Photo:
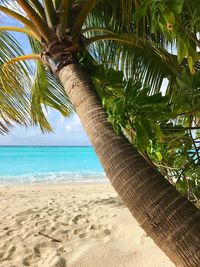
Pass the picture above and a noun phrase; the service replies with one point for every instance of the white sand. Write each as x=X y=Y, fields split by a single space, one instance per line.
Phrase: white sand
x=94 y=228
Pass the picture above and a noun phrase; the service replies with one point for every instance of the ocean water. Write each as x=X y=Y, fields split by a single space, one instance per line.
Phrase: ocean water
x=32 y=164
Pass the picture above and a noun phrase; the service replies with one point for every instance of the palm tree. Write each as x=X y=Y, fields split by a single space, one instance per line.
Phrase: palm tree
x=60 y=30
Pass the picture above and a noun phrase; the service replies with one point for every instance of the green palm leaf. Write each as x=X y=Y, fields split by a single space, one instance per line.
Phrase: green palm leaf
x=149 y=63
x=14 y=84
x=23 y=99
x=138 y=57
x=46 y=92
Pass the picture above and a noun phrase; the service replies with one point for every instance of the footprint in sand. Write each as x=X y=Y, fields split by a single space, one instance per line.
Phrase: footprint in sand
x=53 y=260
x=103 y=235
x=26 y=262
x=54 y=226
x=25 y=213
x=34 y=216
x=9 y=253
x=77 y=231
x=107 y=232
x=78 y=219
x=97 y=227
x=56 y=217
x=67 y=231
x=41 y=249
x=83 y=235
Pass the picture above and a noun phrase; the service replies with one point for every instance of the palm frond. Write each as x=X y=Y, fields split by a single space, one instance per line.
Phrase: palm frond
x=38 y=8
x=41 y=24
x=65 y=17
x=23 y=99
x=50 y=13
x=138 y=58
x=46 y=92
x=76 y=29
x=23 y=58
x=14 y=85
x=140 y=55
x=20 y=18
x=19 y=29
x=12 y=5
x=56 y=4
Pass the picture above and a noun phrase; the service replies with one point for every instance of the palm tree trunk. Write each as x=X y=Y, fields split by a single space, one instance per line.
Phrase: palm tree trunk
x=166 y=216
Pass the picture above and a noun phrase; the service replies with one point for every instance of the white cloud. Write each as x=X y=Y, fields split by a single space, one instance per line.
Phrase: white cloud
x=74 y=124
x=66 y=132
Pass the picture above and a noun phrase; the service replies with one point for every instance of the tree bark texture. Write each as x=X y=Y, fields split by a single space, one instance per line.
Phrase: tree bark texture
x=166 y=216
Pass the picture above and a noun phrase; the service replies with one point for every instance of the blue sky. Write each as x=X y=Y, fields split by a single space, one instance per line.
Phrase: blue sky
x=66 y=131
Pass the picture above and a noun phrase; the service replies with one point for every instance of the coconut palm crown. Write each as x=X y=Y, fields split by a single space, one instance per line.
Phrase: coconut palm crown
x=57 y=31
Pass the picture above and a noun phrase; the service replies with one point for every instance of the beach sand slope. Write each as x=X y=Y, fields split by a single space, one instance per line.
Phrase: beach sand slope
x=72 y=226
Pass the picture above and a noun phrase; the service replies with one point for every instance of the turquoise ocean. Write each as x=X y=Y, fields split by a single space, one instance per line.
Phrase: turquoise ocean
x=49 y=164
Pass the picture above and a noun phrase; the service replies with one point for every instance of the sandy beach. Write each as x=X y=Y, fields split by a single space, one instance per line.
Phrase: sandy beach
x=73 y=225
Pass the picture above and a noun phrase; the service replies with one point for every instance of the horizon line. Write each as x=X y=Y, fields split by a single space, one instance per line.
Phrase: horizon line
x=46 y=145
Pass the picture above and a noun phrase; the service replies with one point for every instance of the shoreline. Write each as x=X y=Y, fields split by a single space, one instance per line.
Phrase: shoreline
x=91 y=225
x=70 y=183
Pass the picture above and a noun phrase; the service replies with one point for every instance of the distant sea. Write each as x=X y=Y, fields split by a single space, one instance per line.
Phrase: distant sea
x=49 y=164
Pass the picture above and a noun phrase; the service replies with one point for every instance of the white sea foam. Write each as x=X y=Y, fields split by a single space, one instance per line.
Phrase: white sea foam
x=54 y=177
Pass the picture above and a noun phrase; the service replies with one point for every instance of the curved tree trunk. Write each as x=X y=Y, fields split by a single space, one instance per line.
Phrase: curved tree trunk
x=166 y=216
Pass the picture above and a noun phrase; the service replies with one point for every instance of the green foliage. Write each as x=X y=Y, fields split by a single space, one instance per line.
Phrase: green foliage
x=178 y=21
x=163 y=128
x=14 y=104
x=46 y=91
x=25 y=97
